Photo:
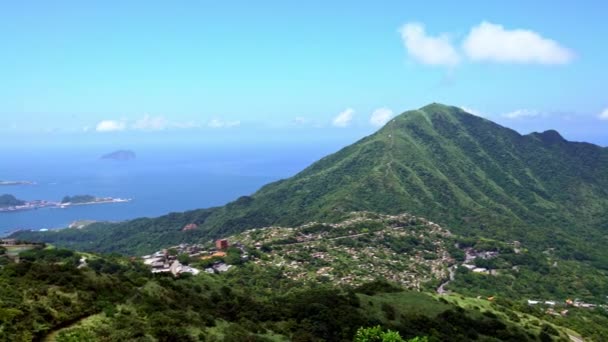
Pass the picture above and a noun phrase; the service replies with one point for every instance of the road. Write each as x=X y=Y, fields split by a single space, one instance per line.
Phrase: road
x=441 y=289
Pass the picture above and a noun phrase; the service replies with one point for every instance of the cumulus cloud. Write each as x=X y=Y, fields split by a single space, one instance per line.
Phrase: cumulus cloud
x=300 y=120
x=521 y=113
x=149 y=123
x=427 y=49
x=218 y=123
x=344 y=118
x=494 y=43
x=471 y=111
x=380 y=116
x=603 y=115
x=184 y=125
x=110 y=126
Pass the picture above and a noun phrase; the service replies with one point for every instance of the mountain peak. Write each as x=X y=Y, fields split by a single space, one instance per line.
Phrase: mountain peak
x=436 y=106
x=550 y=136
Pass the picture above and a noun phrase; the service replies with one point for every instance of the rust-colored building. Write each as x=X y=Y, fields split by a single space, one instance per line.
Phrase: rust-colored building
x=190 y=226
x=221 y=244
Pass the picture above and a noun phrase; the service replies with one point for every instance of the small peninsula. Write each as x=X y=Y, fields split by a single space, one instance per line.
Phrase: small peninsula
x=88 y=199
x=8 y=203
x=120 y=155
x=8 y=200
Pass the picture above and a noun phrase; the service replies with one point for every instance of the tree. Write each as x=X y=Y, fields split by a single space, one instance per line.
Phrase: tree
x=233 y=256
x=376 y=334
x=183 y=258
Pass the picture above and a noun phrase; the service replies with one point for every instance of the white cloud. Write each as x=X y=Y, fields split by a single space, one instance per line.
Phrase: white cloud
x=521 y=113
x=149 y=123
x=492 y=42
x=603 y=115
x=427 y=49
x=343 y=119
x=184 y=125
x=380 y=117
x=110 y=126
x=300 y=120
x=472 y=111
x=217 y=123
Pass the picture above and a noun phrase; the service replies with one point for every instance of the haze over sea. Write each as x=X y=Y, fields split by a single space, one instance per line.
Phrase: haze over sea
x=160 y=180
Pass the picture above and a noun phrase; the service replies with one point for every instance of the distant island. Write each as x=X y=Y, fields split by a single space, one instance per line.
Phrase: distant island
x=120 y=155
x=5 y=182
x=88 y=199
x=9 y=203
x=78 y=199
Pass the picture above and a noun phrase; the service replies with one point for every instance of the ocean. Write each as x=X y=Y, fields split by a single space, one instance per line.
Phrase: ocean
x=159 y=180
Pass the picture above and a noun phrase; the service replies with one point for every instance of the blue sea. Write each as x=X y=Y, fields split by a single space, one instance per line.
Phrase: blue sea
x=159 y=180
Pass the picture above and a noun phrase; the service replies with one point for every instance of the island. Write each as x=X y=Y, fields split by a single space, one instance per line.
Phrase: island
x=8 y=203
x=7 y=182
x=120 y=155
x=88 y=199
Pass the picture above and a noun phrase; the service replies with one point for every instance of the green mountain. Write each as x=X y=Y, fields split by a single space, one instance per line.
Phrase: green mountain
x=444 y=164
x=467 y=173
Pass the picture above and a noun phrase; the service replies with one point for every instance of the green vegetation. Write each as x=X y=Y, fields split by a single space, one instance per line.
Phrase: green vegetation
x=7 y=200
x=79 y=199
x=47 y=294
x=376 y=334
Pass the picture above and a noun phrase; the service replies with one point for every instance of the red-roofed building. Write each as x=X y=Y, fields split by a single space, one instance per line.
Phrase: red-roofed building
x=190 y=226
x=221 y=244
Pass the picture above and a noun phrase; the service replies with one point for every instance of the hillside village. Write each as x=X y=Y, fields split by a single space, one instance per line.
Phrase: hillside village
x=401 y=248
x=172 y=260
x=404 y=249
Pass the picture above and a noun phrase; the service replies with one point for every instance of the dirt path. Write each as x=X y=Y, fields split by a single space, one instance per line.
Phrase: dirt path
x=51 y=335
x=575 y=338
x=333 y=238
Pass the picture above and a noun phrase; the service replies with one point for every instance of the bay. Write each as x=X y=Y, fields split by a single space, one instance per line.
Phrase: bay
x=159 y=181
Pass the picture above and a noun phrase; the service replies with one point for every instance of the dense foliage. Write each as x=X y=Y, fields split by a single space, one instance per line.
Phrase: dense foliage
x=111 y=298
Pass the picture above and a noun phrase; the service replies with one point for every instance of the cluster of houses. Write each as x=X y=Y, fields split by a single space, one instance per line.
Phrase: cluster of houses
x=8 y=242
x=166 y=260
x=331 y=251
x=163 y=261
x=551 y=304
x=471 y=255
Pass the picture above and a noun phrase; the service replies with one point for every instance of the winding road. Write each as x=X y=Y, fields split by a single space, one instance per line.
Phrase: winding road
x=441 y=289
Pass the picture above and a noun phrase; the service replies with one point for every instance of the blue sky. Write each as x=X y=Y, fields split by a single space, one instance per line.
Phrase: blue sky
x=136 y=71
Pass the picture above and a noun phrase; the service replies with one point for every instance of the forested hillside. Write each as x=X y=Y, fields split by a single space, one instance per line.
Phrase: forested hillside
x=51 y=294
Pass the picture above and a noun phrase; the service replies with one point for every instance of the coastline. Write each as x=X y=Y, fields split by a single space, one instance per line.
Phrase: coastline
x=40 y=204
